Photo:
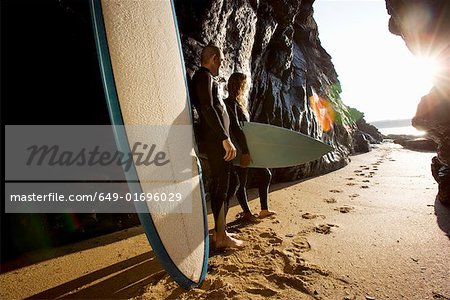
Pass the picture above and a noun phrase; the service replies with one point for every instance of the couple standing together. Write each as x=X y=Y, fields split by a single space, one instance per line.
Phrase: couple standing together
x=219 y=133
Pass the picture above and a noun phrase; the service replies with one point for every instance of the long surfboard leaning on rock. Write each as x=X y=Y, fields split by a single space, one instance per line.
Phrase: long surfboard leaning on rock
x=143 y=75
x=276 y=147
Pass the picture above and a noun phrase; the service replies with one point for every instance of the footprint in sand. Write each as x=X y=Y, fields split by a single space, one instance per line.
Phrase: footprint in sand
x=364 y=186
x=301 y=244
x=357 y=171
x=438 y=296
x=230 y=268
x=323 y=229
x=330 y=200
x=283 y=280
x=351 y=183
x=272 y=238
x=336 y=191
x=366 y=180
x=354 y=196
x=265 y=292
x=257 y=247
x=350 y=178
x=309 y=216
x=344 y=209
x=219 y=289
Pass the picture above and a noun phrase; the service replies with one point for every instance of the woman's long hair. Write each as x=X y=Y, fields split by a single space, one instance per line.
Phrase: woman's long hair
x=237 y=89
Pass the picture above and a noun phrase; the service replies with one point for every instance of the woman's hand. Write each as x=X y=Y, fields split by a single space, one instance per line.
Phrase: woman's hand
x=230 y=150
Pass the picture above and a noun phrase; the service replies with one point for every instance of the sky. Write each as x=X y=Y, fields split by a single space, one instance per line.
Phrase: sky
x=378 y=74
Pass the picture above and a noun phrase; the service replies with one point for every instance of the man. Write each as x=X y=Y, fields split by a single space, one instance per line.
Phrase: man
x=216 y=127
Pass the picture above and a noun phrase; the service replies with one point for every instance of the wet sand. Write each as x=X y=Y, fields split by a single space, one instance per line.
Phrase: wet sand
x=371 y=229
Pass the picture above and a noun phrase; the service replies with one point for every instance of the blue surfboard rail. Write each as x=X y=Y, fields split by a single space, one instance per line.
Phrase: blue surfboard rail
x=121 y=139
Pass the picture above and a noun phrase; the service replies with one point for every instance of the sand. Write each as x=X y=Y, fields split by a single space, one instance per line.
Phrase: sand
x=371 y=230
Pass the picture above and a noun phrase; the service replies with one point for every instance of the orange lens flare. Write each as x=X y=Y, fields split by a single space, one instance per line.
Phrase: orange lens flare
x=324 y=112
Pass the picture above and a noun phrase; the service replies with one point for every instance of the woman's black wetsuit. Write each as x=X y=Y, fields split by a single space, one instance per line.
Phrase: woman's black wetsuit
x=263 y=174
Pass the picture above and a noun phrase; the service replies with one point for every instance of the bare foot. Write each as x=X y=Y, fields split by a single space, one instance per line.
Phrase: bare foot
x=266 y=213
x=231 y=234
x=224 y=241
x=213 y=238
x=249 y=217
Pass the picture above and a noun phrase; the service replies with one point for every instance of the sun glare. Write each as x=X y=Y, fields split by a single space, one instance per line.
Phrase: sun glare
x=426 y=68
x=415 y=77
x=378 y=74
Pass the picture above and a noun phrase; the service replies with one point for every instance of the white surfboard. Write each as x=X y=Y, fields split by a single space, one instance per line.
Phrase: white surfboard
x=144 y=80
x=276 y=147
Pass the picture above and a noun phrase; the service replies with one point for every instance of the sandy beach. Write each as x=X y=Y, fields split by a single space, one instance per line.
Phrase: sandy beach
x=371 y=230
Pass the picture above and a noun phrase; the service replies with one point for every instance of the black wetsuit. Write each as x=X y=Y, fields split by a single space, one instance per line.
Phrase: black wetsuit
x=215 y=126
x=264 y=175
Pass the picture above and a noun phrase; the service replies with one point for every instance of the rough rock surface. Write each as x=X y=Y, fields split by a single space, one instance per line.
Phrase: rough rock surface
x=414 y=143
x=276 y=43
x=374 y=135
x=366 y=135
x=425 y=27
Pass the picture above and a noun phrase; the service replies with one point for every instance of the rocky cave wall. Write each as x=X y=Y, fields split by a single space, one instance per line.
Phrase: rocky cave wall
x=276 y=43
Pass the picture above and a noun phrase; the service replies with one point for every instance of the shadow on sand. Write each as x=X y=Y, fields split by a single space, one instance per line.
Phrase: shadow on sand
x=119 y=281
x=37 y=256
x=442 y=217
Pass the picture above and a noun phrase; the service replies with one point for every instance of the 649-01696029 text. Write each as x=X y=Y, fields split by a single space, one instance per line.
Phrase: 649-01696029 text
x=96 y=196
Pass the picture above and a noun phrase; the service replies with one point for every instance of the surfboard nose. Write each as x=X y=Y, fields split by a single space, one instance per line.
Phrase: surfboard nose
x=276 y=147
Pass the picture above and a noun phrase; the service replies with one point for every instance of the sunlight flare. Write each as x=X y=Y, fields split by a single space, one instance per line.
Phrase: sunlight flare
x=323 y=110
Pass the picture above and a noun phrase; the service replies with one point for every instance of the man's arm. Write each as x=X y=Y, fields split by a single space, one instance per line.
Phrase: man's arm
x=203 y=87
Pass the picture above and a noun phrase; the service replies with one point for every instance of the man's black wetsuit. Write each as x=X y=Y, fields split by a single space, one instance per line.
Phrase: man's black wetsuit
x=216 y=125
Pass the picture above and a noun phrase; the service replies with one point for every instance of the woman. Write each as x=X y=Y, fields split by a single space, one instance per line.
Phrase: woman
x=237 y=105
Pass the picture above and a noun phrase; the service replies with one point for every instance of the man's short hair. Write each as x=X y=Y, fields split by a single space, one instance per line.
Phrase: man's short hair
x=209 y=51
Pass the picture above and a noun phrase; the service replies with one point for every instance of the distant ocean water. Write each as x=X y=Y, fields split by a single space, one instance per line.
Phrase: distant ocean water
x=401 y=126
x=408 y=130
